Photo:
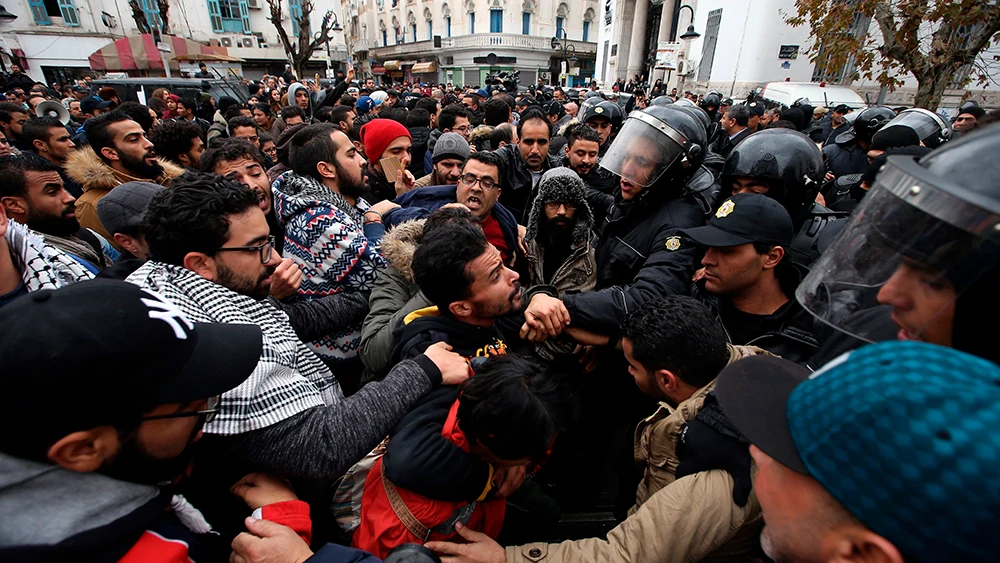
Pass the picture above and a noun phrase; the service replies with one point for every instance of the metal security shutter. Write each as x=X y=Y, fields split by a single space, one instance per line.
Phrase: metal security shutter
x=708 y=51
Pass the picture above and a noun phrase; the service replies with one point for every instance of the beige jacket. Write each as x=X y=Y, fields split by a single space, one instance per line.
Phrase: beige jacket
x=674 y=520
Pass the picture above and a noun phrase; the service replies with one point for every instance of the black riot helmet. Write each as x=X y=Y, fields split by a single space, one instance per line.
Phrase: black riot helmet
x=660 y=145
x=661 y=101
x=866 y=124
x=590 y=99
x=932 y=224
x=932 y=129
x=695 y=111
x=788 y=161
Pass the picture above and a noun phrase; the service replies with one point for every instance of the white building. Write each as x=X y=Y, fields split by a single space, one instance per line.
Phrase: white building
x=463 y=42
x=742 y=44
x=54 y=38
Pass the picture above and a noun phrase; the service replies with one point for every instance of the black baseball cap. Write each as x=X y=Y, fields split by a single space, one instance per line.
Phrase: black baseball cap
x=745 y=219
x=90 y=103
x=99 y=351
x=842 y=108
x=756 y=108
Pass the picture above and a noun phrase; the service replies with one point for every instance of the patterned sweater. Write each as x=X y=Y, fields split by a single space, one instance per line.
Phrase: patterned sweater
x=325 y=237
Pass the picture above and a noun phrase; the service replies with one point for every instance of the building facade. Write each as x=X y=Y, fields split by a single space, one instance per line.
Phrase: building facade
x=53 y=39
x=465 y=42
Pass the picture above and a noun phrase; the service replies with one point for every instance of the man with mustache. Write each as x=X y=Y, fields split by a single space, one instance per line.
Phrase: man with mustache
x=582 y=155
x=525 y=162
x=748 y=281
x=32 y=193
x=50 y=140
x=119 y=152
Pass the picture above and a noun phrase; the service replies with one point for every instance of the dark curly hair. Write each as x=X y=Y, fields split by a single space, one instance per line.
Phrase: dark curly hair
x=240 y=121
x=173 y=138
x=230 y=149
x=193 y=216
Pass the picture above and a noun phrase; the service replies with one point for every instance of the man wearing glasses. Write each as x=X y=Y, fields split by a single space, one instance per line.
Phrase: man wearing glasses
x=478 y=190
x=212 y=256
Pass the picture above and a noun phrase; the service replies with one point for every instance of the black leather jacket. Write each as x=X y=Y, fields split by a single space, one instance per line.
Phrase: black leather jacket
x=516 y=181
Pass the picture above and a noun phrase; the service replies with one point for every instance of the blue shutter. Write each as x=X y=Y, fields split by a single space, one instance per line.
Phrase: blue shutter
x=586 y=30
x=245 y=16
x=430 y=30
x=472 y=23
x=496 y=21
x=295 y=11
x=526 y=23
x=68 y=12
x=559 y=28
x=38 y=12
x=215 y=15
x=413 y=28
x=447 y=24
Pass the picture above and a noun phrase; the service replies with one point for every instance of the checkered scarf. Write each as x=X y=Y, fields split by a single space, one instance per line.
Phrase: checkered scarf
x=42 y=265
x=289 y=378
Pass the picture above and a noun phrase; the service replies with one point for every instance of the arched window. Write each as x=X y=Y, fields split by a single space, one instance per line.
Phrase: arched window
x=561 y=15
x=588 y=17
x=429 y=18
x=526 y=10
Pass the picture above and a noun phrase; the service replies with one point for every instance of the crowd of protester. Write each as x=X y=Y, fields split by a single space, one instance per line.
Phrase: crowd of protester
x=421 y=322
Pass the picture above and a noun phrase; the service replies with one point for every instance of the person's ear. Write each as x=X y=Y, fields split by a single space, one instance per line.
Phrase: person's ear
x=667 y=381
x=184 y=160
x=126 y=242
x=40 y=146
x=201 y=264
x=773 y=257
x=460 y=309
x=327 y=170
x=85 y=451
x=14 y=205
x=860 y=545
x=110 y=153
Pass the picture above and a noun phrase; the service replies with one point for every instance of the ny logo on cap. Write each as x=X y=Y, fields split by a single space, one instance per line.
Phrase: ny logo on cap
x=168 y=313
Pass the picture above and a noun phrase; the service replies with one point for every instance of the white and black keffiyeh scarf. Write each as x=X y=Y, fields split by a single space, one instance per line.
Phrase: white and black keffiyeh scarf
x=42 y=265
x=289 y=378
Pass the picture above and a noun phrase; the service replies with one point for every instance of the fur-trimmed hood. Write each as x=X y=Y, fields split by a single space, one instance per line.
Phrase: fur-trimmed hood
x=92 y=173
x=399 y=244
x=565 y=186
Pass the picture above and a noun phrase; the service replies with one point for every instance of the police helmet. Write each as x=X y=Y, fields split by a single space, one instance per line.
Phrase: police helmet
x=656 y=145
x=932 y=129
x=866 y=124
x=661 y=101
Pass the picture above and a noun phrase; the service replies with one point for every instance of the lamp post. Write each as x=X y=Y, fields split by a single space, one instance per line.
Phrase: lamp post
x=688 y=35
x=566 y=48
x=5 y=17
x=318 y=35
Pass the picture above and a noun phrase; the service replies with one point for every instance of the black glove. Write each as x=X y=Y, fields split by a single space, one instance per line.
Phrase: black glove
x=701 y=448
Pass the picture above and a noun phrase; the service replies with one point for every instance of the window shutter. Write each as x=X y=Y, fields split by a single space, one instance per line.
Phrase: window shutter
x=245 y=15
x=68 y=12
x=295 y=12
x=38 y=12
x=215 y=15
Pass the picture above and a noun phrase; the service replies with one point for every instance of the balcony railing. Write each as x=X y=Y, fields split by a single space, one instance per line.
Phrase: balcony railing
x=485 y=41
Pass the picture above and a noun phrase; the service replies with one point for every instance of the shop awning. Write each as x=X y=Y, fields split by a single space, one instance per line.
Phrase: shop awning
x=378 y=70
x=393 y=65
x=140 y=53
x=421 y=68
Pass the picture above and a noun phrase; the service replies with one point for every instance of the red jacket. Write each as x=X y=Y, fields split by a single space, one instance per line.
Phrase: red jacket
x=381 y=530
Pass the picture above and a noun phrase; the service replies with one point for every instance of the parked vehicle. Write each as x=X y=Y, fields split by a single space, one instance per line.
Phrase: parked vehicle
x=819 y=94
x=129 y=88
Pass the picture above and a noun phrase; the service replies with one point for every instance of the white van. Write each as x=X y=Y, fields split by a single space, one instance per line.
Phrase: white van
x=819 y=94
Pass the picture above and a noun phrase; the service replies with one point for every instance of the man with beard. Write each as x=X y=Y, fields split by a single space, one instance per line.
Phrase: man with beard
x=32 y=193
x=13 y=116
x=119 y=152
x=478 y=190
x=525 y=162
x=186 y=111
x=179 y=142
x=50 y=140
x=449 y=155
x=332 y=234
x=559 y=242
x=582 y=154
x=212 y=257
x=125 y=429
x=238 y=160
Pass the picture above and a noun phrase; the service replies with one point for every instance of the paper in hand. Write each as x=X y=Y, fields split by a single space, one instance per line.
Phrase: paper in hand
x=392 y=167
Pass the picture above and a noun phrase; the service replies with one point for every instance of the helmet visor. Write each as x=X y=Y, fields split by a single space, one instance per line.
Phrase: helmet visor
x=644 y=149
x=909 y=250
x=928 y=126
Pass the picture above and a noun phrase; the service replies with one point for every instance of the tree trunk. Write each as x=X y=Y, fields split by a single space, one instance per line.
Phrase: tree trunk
x=931 y=86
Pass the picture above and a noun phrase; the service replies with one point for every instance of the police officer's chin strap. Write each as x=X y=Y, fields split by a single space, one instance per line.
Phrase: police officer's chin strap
x=976 y=309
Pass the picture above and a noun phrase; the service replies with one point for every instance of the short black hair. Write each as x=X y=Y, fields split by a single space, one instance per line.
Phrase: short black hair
x=514 y=406
x=495 y=112
x=396 y=114
x=310 y=146
x=530 y=114
x=139 y=114
x=264 y=108
x=291 y=111
x=339 y=113
x=429 y=104
x=234 y=111
x=418 y=118
x=486 y=157
x=322 y=114
x=241 y=121
x=446 y=216
x=98 y=130
x=740 y=113
x=450 y=114
x=581 y=132
x=193 y=216
x=347 y=100
x=12 y=168
x=40 y=129
x=173 y=138
x=9 y=108
x=264 y=137
x=229 y=149
x=679 y=334
x=503 y=133
x=440 y=263
x=188 y=103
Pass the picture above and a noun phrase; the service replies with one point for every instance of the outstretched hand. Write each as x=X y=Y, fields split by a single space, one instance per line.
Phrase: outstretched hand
x=480 y=549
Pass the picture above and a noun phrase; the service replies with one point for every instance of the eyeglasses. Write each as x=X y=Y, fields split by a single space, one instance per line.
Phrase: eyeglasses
x=555 y=205
x=208 y=412
x=485 y=182
x=265 y=249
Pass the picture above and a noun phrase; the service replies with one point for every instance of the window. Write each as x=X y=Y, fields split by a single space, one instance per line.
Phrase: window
x=294 y=12
x=43 y=10
x=413 y=31
x=430 y=29
x=152 y=13
x=559 y=27
x=496 y=21
x=708 y=47
x=586 y=31
x=447 y=26
x=526 y=23
x=821 y=72
x=472 y=23
x=385 y=38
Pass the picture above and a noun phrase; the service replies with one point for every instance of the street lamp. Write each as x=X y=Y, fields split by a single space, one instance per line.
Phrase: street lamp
x=566 y=48
x=690 y=33
x=318 y=35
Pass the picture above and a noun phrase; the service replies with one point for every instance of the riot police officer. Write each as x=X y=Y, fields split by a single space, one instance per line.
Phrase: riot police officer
x=932 y=129
x=787 y=166
x=848 y=154
x=924 y=251
x=606 y=118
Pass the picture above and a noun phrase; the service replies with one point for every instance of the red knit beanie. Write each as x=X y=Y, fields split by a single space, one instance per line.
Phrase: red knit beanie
x=378 y=133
